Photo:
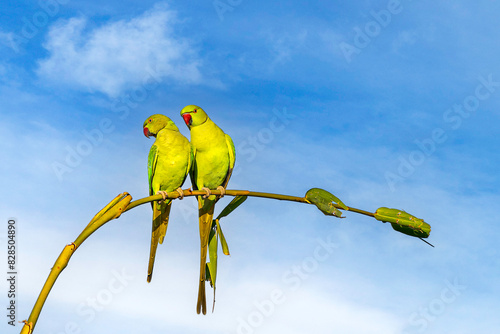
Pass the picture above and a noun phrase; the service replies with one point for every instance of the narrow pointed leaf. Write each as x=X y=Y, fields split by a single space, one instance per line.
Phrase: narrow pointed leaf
x=212 y=253
x=225 y=248
x=236 y=202
x=207 y=273
x=107 y=207
x=404 y=222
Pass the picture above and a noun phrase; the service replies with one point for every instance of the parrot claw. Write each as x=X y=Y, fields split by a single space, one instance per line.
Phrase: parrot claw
x=207 y=191
x=222 y=191
x=163 y=194
x=181 y=193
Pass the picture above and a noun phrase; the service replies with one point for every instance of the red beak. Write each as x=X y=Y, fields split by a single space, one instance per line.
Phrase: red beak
x=146 y=132
x=187 y=119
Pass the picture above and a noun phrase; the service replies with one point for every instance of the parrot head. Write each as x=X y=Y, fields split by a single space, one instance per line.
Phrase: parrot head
x=193 y=115
x=157 y=122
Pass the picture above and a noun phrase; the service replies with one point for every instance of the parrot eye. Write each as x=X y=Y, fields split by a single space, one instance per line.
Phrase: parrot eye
x=195 y=111
x=150 y=120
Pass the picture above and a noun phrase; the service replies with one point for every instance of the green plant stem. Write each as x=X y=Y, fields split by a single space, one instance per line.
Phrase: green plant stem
x=188 y=193
x=111 y=211
x=114 y=209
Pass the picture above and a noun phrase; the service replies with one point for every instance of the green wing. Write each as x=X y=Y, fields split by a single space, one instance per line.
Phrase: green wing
x=232 y=159
x=191 y=160
x=193 y=170
x=152 y=158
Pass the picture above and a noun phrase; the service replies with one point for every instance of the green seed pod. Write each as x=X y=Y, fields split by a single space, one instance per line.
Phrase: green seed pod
x=325 y=202
x=403 y=222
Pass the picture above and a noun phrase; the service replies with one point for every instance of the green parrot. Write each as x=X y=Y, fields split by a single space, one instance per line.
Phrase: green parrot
x=213 y=164
x=169 y=163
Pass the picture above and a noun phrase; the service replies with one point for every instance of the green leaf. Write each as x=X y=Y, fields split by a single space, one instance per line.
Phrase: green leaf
x=215 y=233
x=236 y=202
x=212 y=253
x=404 y=222
x=225 y=248
x=325 y=202
x=110 y=206
x=207 y=273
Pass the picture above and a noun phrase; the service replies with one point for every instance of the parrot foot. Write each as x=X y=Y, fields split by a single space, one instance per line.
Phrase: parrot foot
x=181 y=193
x=222 y=191
x=163 y=194
x=207 y=191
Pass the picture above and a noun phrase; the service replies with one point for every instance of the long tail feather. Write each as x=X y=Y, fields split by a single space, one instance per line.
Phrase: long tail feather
x=161 y=214
x=206 y=212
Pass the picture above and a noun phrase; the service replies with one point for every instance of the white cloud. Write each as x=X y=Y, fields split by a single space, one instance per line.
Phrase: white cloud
x=118 y=55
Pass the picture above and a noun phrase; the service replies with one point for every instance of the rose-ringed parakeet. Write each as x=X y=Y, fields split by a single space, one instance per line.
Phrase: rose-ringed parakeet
x=169 y=163
x=213 y=165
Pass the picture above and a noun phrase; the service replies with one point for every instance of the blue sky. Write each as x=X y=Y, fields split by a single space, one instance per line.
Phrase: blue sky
x=383 y=103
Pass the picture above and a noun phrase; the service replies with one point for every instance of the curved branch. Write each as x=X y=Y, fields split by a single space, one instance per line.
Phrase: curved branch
x=111 y=211
x=189 y=192
x=114 y=209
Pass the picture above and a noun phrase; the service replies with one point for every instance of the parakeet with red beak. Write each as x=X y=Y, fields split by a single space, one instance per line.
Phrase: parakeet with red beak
x=213 y=165
x=169 y=162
